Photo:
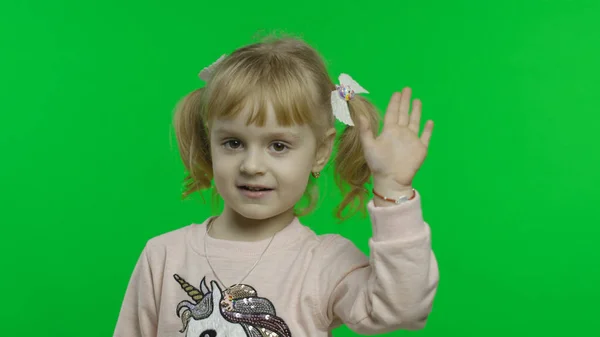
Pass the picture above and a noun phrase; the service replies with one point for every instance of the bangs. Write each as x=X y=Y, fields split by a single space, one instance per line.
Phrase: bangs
x=243 y=88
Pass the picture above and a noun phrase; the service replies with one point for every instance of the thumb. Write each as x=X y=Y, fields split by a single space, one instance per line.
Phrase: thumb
x=366 y=135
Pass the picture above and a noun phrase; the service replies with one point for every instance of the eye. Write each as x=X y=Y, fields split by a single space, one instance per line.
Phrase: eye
x=208 y=333
x=232 y=144
x=279 y=147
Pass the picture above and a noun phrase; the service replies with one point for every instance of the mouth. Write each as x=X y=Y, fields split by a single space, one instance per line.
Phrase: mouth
x=254 y=188
x=254 y=191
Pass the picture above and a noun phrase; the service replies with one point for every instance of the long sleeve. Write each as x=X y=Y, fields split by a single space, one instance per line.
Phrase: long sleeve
x=391 y=290
x=138 y=314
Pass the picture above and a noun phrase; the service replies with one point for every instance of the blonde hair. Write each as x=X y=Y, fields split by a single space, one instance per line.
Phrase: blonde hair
x=291 y=76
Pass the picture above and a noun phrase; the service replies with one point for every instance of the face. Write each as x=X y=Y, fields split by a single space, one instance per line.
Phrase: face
x=262 y=172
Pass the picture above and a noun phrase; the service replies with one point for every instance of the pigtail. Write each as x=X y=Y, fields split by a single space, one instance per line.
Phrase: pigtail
x=194 y=147
x=352 y=171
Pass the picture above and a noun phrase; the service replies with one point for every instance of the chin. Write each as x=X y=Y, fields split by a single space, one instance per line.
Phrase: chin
x=258 y=212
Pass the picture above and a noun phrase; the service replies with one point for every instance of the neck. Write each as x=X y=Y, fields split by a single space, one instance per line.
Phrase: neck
x=230 y=225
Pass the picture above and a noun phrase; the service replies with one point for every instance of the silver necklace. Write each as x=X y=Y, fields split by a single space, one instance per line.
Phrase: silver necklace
x=225 y=288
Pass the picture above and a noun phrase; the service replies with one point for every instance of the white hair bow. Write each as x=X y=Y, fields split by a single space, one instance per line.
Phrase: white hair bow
x=206 y=73
x=344 y=92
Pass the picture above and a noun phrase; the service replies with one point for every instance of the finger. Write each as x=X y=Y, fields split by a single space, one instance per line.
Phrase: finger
x=404 y=106
x=415 y=116
x=366 y=135
x=426 y=135
x=391 y=114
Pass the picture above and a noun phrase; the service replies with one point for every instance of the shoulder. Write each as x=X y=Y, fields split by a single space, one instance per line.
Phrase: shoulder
x=172 y=237
x=335 y=242
x=176 y=240
x=334 y=251
x=324 y=243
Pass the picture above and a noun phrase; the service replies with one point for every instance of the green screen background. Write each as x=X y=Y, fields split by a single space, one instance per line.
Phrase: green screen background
x=90 y=169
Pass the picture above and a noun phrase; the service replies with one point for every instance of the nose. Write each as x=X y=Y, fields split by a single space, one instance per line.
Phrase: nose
x=252 y=163
x=208 y=333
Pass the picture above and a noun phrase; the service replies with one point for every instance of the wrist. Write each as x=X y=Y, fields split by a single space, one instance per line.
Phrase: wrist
x=390 y=186
x=391 y=193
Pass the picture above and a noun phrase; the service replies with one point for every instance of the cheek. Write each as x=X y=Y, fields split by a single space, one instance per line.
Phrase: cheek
x=297 y=184
x=219 y=162
x=219 y=159
x=297 y=171
x=300 y=168
x=223 y=167
x=223 y=172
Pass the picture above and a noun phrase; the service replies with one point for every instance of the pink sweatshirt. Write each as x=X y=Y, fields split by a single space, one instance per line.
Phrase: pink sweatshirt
x=305 y=284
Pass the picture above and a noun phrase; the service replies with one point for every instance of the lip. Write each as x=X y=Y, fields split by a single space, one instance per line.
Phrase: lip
x=254 y=194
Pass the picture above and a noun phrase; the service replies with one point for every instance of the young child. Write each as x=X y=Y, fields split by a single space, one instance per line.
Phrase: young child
x=262 y=125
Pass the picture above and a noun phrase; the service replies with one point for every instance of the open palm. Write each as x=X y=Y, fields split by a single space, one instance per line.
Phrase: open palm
x=398 y=152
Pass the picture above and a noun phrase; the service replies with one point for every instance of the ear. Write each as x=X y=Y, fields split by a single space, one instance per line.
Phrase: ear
x=324 y=150
x=217 y=295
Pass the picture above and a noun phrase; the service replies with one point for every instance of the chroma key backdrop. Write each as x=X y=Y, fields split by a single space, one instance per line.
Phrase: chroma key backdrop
x=90 y=167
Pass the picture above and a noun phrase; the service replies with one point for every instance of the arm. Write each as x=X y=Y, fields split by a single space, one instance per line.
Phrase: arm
x=138 y=315
x=391 y=290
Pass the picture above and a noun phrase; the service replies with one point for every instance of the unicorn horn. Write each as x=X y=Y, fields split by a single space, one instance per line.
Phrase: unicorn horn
x=192 y=291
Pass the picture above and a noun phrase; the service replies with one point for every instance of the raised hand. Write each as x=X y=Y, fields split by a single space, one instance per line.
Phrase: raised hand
x=396 y=155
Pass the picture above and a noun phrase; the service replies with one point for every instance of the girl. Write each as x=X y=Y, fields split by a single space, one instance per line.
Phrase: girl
x=260 y=127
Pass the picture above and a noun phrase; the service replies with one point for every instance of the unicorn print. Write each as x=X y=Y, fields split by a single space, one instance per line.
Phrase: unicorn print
x=234 y=312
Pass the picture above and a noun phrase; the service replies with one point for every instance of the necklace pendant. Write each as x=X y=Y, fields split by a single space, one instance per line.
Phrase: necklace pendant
x=227 y=301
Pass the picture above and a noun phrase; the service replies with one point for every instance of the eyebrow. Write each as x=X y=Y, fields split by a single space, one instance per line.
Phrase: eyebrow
x=278 y=134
